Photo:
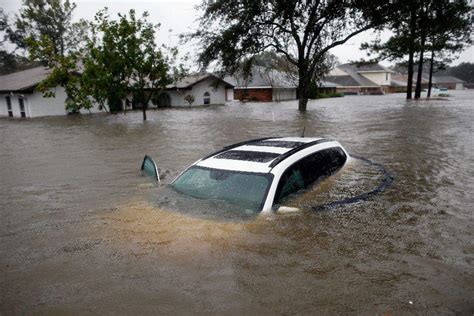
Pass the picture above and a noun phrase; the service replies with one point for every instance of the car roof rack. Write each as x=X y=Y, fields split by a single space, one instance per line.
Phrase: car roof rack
x=237 y=145
x=297 y=149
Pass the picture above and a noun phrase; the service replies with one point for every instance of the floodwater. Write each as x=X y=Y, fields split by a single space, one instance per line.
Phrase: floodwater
x=83 y=232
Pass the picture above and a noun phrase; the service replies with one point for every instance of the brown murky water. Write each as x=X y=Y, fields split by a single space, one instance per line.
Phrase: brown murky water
x=83 y=232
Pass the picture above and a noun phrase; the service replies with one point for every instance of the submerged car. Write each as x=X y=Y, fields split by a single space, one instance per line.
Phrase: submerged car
x=258 y=174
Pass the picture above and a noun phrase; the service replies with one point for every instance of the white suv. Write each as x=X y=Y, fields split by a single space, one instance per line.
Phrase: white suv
x=258 y=174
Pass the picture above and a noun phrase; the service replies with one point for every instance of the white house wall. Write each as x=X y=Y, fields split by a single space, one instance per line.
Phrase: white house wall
x=380 y=78
x=218 y=95
x=230 y=94
x=36 y=105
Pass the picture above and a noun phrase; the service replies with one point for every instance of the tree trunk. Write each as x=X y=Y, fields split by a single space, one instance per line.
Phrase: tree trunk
x=302 y=104
x=411 y=51
x=430 y=82
x=420 y=69
x=410 y=75
x=144 y=111
x=303 y=91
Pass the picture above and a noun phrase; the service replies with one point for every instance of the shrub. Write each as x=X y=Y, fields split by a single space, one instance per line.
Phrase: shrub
x=189 y=99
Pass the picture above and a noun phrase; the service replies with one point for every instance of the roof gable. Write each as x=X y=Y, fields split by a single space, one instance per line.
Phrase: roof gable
x=366 y=67
x=446 y=79
x=189 y=81
x=25 y=80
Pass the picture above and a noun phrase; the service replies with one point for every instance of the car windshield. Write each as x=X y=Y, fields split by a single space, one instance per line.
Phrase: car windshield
x=244 y=189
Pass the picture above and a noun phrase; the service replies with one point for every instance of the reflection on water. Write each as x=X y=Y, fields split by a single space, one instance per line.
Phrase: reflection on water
x=83 y=232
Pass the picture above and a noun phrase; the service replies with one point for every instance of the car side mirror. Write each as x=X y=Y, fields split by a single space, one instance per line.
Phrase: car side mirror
x=287 y=210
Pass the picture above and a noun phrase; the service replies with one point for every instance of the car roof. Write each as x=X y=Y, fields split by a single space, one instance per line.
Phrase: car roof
x=260 y=155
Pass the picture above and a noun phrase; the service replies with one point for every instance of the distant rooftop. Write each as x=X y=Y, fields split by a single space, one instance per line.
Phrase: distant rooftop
x=189 y=81
x=366 y=67
x=23 y=81
x=263 y=77
x=446 y=79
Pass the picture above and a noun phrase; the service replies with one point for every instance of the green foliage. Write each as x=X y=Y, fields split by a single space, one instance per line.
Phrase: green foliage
x=41 y=21
x=317 y=93
x=123 y=59
x=442 y=27
x=66 y=73
x=233 y=31
x=189 y=99
x=7 y=59
x=44 y=28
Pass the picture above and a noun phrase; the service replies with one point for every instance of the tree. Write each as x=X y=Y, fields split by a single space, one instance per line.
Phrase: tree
x=404 y=41
x=450 y=31
x=123 y=58
x=439 y=26
x=44 y=29
x=51 y=20
x=189 y=99
x=7 y=59
x=232 y=31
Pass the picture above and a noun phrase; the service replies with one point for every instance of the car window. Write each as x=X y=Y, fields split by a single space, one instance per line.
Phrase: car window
x=244 y=189
x=293 y=182
x=308 y=170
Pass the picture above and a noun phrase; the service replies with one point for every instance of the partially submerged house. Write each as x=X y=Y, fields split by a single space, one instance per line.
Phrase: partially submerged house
x=369 y=78
x=204 y=88
x=264 y=85
x=19 y=98
x=448 y=82
x=399 y=82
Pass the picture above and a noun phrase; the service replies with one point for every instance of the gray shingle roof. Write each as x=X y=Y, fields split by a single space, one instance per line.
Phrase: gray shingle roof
x=351 y=80
x=369 y=67
x=446 y=79
x=353 y=77
x=24 y=80
x=191 y=80
x=263 y=77
x=401 y=80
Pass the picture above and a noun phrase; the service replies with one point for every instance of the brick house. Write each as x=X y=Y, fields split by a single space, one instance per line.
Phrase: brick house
x=264 y=85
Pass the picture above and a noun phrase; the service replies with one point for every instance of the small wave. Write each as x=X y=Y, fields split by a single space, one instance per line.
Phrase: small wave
x=386 y=182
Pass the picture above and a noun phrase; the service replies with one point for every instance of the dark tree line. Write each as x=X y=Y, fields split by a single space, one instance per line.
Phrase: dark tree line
x=463 y=71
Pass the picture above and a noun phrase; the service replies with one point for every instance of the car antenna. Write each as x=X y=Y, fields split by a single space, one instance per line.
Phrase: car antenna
x=304 y=128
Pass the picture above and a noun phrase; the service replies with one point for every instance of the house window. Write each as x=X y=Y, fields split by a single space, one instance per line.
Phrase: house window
x=386 y=76
x=207 y=98
x=9 y=106
x=21 y=102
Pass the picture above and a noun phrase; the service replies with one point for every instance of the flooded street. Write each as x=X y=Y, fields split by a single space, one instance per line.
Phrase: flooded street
x=83 y=232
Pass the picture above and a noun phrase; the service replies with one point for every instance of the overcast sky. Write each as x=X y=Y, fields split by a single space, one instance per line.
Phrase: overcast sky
x=180 y=16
